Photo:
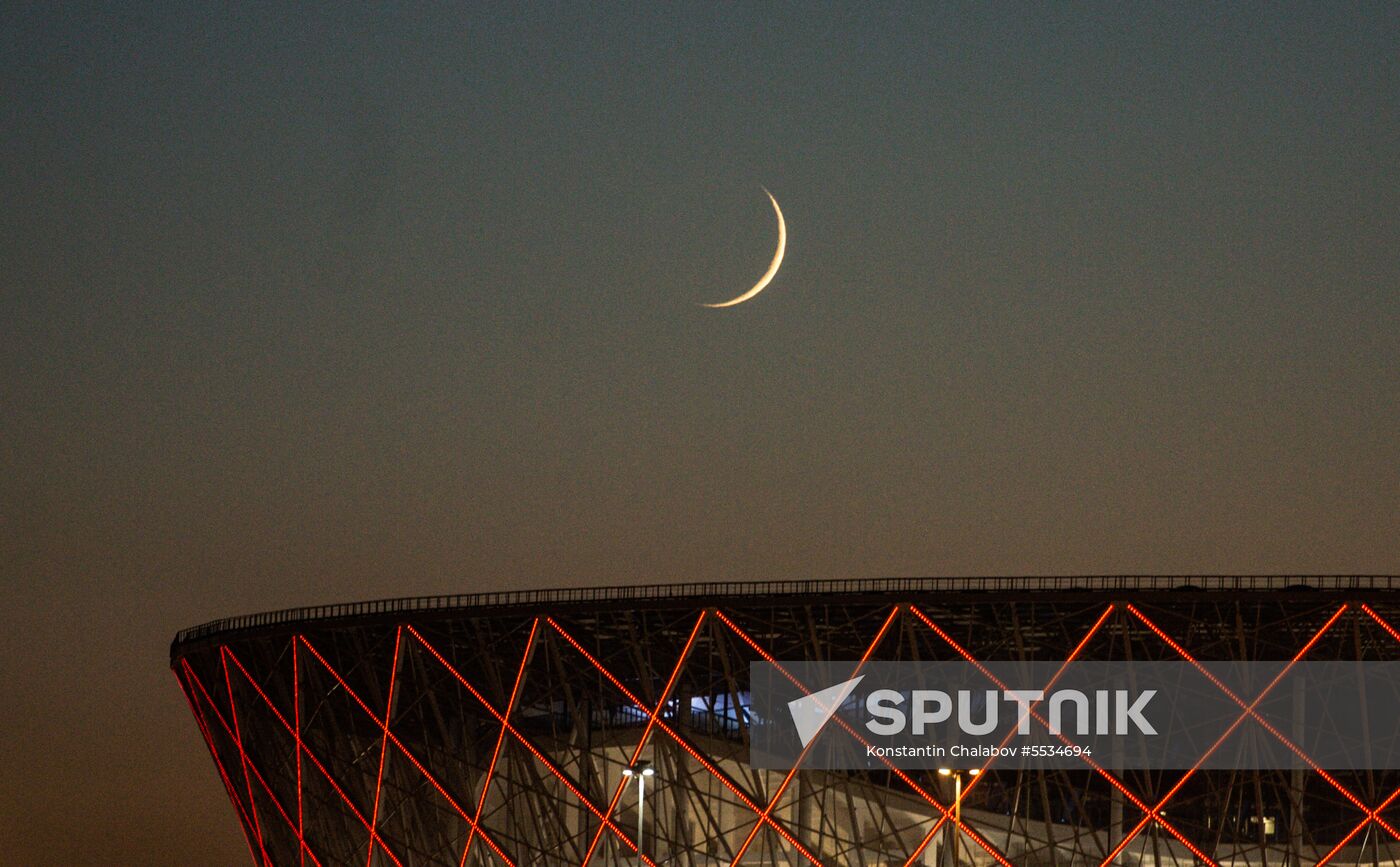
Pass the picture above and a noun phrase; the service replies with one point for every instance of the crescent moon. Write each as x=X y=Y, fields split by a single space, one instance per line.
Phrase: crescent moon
x=772 y=267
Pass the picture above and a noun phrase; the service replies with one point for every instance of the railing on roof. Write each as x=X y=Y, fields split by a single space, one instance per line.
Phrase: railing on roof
x=653 y=592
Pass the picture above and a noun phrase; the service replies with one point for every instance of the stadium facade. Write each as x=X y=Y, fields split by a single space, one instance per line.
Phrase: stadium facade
x=497 y=728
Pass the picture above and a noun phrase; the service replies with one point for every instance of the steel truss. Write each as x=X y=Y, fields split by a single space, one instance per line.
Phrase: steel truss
x=491 y=735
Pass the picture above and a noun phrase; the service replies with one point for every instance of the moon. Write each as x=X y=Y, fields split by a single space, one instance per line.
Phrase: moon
x=772 y=267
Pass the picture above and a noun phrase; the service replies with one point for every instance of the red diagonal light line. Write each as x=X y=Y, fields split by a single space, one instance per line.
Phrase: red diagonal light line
x=787 y=780
x=676 y=736
x=1296 y=750
x=1112 y=780
x=500 y=739
x=384 y=725
x=218 y=763
x=1375 y=814
x=296 y=736
x=1371 y=815
x=246 y=821
x=247 y=760
x=1381 y=621
x=525 y=742
x=238 y=740
x=945 y=812
x=1215 y=746
x=1357 y=830
x=384 y=744
x=247 y=764
x=646 y=732
x=684 y=744
x=972 y=784
x=304 y=748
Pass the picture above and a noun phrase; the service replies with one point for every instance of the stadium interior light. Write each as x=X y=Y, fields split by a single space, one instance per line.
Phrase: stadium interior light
x=641 y=770
x=956 y=830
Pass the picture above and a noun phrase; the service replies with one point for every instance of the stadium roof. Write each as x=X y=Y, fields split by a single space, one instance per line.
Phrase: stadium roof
x=699 y=592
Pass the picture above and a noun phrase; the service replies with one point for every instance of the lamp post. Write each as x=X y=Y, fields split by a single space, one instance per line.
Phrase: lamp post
x=956 y=830
x=640 y=770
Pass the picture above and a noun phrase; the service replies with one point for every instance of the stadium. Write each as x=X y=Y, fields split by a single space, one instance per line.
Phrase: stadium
x=609 y=726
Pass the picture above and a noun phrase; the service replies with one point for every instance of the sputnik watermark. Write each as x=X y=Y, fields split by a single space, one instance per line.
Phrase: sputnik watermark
x=929 y=707
x=1123 y=715
x=811 y=712
x=933 y=751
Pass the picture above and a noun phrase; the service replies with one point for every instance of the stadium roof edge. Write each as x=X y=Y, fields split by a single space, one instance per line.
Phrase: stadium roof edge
x=739 y=589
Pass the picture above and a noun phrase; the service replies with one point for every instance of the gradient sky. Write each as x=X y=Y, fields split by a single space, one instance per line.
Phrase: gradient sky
x=322 y=304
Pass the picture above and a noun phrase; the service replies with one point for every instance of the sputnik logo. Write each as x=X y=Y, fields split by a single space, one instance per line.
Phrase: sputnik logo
x=811 y=712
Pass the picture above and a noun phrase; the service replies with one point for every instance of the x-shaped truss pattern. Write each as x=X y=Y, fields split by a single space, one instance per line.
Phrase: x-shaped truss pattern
x=490 y=737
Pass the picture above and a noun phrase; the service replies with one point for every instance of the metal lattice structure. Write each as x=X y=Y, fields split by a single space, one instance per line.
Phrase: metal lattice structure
x=494 y=729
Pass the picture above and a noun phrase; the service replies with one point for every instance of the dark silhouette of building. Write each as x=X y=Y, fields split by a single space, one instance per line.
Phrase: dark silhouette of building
x=496 y=728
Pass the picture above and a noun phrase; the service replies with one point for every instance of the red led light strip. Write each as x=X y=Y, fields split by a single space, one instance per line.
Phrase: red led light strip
x=765 y=816
x=247 y=821
x=392 y=738
x=1371 y=815
x=296 y=735
x=646 y=732
x=525 y=742
x=238 y=740
x=1155 y=813
x=944 y=812
x=250 y=770
x=248 y=762
x=1112 y=780
x=972 y=784
x=383 y=743
x=1265 y=724
x=500 y=739
x=718 y=774
x=302 y=747
x=218 y=763
x=1381 y=621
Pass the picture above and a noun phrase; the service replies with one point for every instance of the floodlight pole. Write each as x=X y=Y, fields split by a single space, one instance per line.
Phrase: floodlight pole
x=956 y=830
x=640 y=770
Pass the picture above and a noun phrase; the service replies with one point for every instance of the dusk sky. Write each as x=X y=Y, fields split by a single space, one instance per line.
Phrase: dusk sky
x=317 y=305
